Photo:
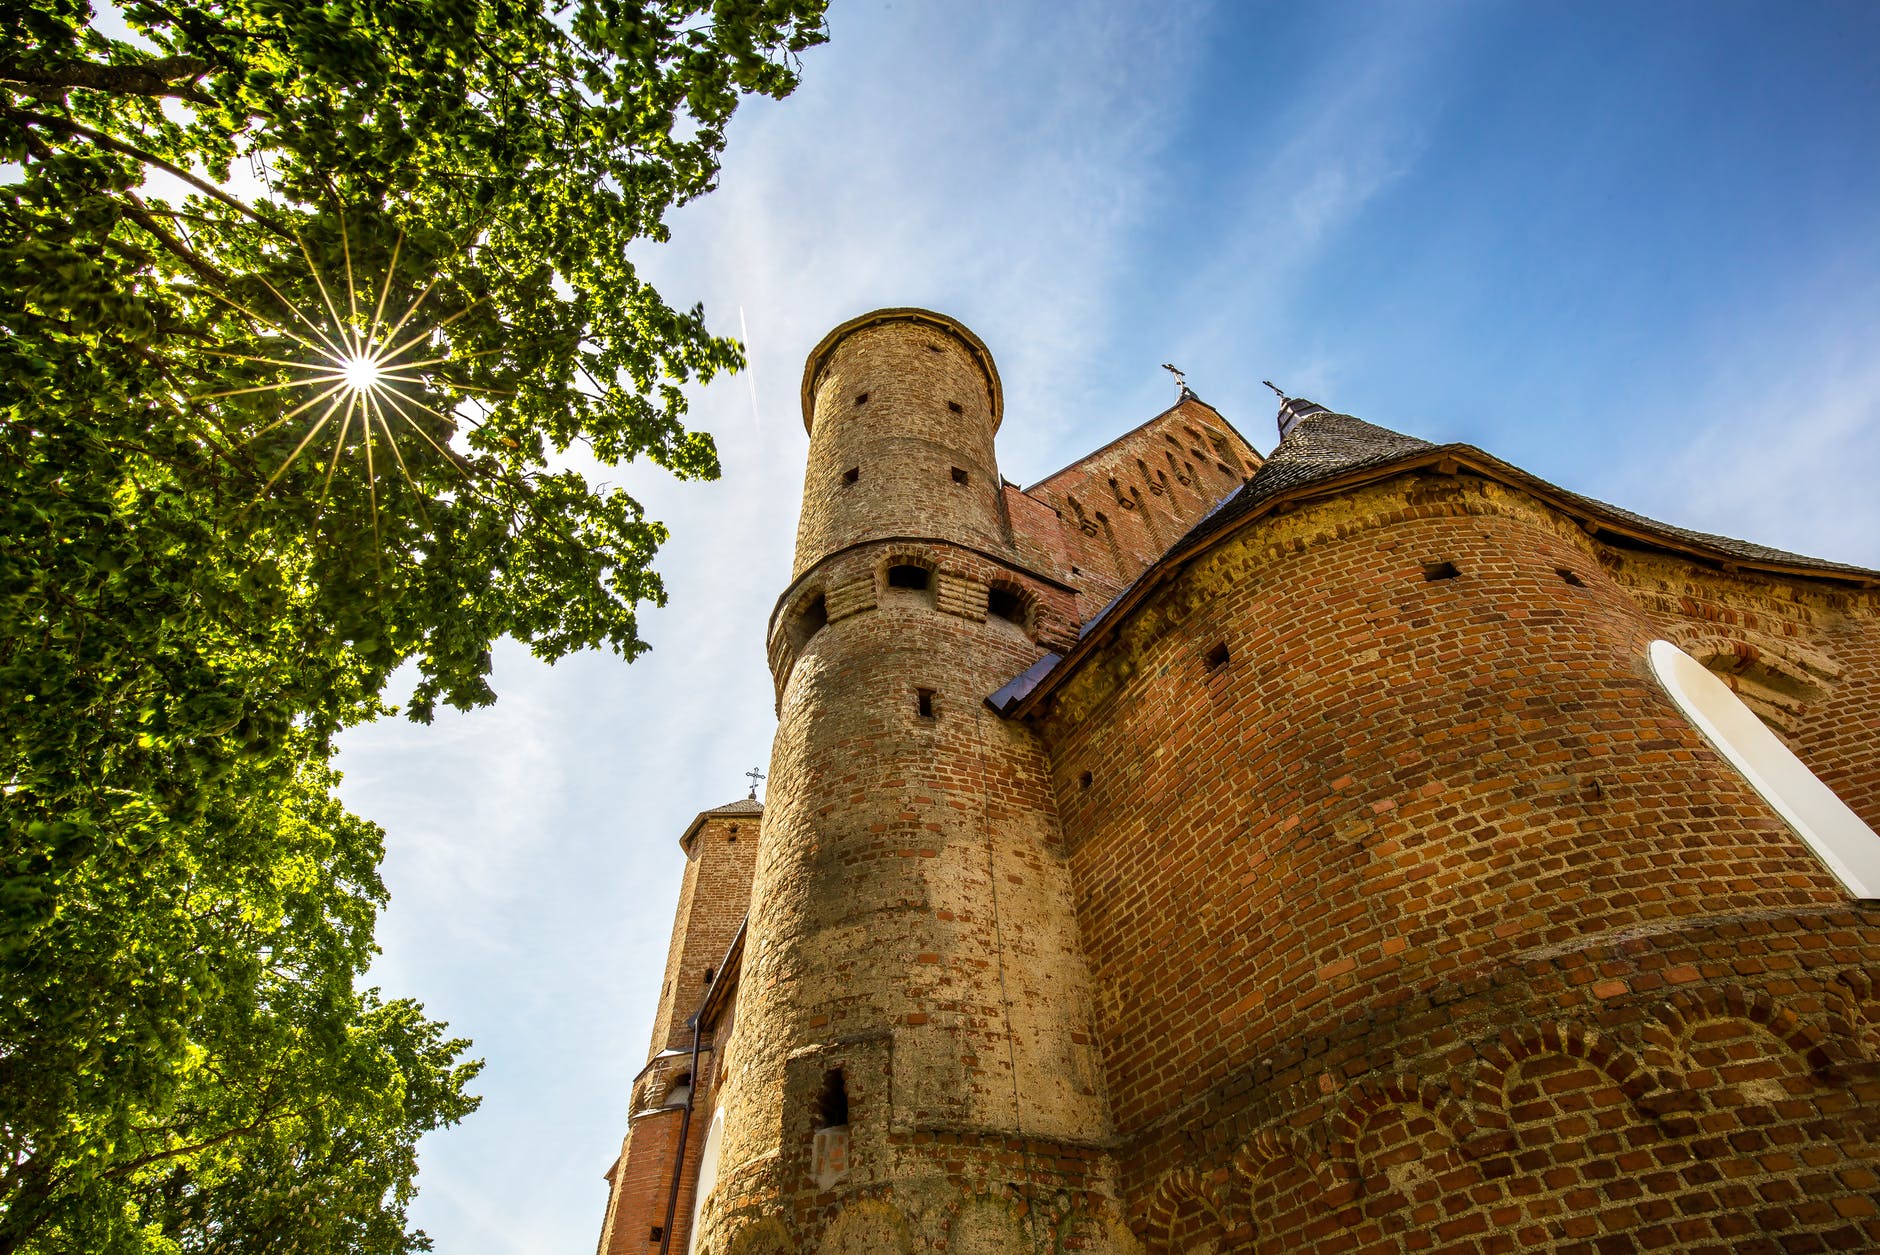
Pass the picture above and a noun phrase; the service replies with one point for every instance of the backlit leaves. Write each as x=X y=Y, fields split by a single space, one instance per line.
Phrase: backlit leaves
x=201 y=584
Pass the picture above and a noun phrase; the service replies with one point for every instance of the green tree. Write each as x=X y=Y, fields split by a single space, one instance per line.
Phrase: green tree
x=217 y=550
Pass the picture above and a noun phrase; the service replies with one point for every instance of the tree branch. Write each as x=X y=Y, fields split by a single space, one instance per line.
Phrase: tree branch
x=152 y=78
x=148 y=158
x=139 y=213
x=267 y=1117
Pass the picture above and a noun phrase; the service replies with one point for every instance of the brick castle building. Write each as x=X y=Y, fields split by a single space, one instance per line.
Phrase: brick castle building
x=1369 y=846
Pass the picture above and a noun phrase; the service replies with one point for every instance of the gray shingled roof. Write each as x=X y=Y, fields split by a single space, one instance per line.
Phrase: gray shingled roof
x=743 y=806
x=1324 y=445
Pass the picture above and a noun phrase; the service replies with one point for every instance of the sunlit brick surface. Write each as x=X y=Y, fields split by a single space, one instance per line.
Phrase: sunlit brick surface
x=1354 y=886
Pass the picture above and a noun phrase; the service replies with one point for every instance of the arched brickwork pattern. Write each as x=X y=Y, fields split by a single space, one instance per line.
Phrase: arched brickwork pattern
x=765 y=1236
x=1725 y=1129
x=905 y=555
x=1288 y=1187
x=1674 y=1033
x=1025 y=615
x=1362 y=1104
x=867 y=1226
x=1777 y=680
x=1397 y=1146
x=1854 y=1020
x=1189 y=1214
x=1568 y=1039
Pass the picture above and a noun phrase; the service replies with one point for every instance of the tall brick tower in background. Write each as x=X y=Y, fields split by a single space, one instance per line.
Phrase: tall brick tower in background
x=1368 y=846
x=659 y=1153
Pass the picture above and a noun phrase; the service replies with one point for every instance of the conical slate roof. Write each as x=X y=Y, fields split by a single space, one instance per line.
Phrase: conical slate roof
x=1320 y=446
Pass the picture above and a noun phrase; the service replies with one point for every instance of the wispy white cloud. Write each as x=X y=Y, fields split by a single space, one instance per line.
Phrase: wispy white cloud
x=1779 y=444
x=1342 y=133
x=988 y=161
x=1012 y=166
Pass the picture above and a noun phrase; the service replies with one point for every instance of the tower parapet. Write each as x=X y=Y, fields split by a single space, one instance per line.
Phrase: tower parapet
x=901 y=407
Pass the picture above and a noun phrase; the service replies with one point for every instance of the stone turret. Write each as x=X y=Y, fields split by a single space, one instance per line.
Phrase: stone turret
x=914 y=1001
x=901 y=407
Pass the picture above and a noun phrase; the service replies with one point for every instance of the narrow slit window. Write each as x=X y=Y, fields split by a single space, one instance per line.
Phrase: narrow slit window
x=1085 y=781
x=1570 y=576
x=923 y=703
x=959 y=476
x=1440 y=571
x=851 y=475
x=861 y=398
x=832 y=1101
x=955 y=407
x=1217 y=657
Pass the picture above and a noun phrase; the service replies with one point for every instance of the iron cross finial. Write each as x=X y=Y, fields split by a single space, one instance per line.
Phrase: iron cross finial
x=755 y=776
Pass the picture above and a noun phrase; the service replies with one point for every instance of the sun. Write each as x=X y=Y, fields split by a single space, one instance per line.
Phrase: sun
x=360 y=371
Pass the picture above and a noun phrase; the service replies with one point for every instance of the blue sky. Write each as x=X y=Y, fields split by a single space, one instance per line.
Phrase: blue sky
x=1634 y=249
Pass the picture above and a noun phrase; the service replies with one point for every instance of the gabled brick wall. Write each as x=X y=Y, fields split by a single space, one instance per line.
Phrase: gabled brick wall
x=1120 y=508
x=1419 y=915
x=1352 y=885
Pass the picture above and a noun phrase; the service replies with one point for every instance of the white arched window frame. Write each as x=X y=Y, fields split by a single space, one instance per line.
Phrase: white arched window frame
x=1839 y=837
x=707 y=1175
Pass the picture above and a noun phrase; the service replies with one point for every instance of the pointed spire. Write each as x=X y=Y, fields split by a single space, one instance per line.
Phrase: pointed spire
x=1292 y=409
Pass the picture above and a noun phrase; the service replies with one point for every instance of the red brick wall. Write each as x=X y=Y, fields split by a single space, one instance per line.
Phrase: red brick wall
x=1367 y=897
x=1838 y=736
x=1805 y=654
x=1123 y=506
x=642 y=1180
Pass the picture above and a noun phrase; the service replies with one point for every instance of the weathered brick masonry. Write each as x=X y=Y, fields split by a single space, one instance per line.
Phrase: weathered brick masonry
x=1325 y=871
x=721 y=848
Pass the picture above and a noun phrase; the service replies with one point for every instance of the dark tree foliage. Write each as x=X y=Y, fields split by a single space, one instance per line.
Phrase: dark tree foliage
x=213 y=554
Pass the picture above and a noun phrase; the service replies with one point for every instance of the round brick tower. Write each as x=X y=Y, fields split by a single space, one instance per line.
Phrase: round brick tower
x=913 y=1018
x=901 y=407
